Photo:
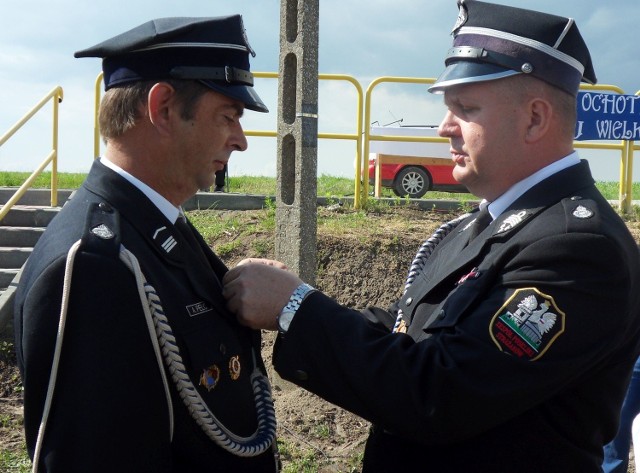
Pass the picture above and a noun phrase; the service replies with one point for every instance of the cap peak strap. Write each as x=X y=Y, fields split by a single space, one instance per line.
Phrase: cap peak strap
x=229 y=74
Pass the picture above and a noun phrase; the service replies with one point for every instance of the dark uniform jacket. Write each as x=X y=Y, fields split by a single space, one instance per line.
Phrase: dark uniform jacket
x=519 y=345
x=110 y=412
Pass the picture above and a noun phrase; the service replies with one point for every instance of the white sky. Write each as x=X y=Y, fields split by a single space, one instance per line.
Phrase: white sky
x=365 y=39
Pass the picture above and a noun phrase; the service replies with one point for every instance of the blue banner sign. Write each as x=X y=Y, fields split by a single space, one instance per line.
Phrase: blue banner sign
x=606 y=116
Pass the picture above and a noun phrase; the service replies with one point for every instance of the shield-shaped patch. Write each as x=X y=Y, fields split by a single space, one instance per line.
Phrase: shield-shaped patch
x=527 y=324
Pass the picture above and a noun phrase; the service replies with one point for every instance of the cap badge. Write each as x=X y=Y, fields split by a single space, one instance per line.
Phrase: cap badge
x=463 y=16
x=210 y=377
x=582 y=212
x=102 y=231
x=234 y=367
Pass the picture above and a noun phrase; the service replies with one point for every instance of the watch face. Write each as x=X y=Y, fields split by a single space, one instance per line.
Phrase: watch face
x=285 y=320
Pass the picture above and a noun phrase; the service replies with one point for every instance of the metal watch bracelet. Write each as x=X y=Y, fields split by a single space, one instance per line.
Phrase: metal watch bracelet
x=289 y=311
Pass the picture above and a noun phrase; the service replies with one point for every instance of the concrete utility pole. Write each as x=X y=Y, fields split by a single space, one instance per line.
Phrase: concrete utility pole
x=296 y=220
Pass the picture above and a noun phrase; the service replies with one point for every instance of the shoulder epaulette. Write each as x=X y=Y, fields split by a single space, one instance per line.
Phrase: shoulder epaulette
x=102 y=230
x=581 y=214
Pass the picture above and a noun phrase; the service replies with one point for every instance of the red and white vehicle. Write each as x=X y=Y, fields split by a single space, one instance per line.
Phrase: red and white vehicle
x=411 y=168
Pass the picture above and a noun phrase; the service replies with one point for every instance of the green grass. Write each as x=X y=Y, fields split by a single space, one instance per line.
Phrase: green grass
x=43 y=181
x=328 y=186
x=298 y=461
x=212 y=226
x=11 y=462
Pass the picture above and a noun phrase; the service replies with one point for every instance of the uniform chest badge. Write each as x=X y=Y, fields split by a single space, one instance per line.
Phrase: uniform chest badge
x=210 y=377
x=235 y=367
x=473 y=274
x=198 y=308
x=527 y=324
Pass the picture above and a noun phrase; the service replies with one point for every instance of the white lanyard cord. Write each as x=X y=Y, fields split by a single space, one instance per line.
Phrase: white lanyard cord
x=424 y=252
x=166 y=350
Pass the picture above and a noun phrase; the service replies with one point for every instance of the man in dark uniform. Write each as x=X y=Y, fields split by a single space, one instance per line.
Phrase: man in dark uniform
x=221 y=179
x=516 y=336
x=130 y=360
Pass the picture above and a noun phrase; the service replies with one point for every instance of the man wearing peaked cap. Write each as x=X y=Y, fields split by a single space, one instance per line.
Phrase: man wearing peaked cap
x=513 y=341
x=150 y=372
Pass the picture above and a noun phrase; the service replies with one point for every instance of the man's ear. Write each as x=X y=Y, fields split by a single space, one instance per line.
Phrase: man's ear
x=161 y=106
x=540 y=117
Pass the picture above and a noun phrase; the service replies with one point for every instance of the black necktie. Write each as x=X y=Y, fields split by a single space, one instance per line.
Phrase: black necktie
x=482 y=221
x=184 y=228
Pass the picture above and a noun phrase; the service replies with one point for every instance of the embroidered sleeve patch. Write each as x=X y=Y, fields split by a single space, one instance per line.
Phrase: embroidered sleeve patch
x=527 y=324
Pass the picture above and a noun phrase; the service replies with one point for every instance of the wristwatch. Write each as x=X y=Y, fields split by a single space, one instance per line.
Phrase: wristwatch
x=289 y=311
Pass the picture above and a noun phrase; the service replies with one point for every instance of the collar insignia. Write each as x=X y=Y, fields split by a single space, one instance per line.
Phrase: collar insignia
x=512 y=221
x=169 y=243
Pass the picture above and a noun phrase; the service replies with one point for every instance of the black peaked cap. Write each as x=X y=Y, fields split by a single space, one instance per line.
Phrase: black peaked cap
x=212 y=50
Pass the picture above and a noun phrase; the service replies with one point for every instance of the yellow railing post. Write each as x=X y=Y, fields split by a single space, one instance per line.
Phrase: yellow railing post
x=367 y=119
x=56 y=95
x=54 y=161
x=96 y=109
x=357 y=137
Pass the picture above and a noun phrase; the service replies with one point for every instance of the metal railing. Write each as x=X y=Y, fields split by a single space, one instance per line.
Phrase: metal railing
x=56 y=96
x=357 y=136
x=363 y=136
x=367 y=133
x=626 y=148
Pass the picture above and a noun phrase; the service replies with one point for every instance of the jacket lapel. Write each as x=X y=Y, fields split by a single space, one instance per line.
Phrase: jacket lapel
x=204 y=274
x=456 y=256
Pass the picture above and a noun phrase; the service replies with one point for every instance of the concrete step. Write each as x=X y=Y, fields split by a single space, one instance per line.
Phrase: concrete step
x=7 y=275
x=29 y=216
x=13 y=257
x=7 y=299
x=39 y=197
x=20 y=237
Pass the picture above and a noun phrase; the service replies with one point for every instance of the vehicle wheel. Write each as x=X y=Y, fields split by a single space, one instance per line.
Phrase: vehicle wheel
x=412 y=181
